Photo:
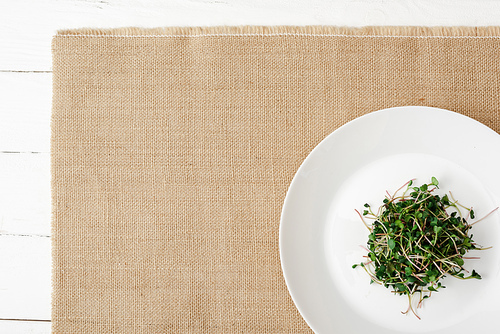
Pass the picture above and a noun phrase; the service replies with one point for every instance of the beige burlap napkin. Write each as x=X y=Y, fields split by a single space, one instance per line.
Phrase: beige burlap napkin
x=172 y=151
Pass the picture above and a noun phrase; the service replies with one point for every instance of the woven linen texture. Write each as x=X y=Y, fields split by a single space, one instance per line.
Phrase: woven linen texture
x=172 y=151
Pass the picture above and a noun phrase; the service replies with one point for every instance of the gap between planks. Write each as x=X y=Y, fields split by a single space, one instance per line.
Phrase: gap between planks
x=24 y=235
x=20 y=152
x=16 y=71
x=33 y=320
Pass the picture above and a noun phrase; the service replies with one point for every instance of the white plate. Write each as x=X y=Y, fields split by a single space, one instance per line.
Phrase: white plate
x=321 y=234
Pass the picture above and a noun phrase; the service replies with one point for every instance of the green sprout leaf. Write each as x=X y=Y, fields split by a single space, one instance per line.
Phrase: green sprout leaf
x=474 y=274
x=434 y=181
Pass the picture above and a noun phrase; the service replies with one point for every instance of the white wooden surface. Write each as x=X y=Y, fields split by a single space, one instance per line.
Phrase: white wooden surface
x=26 y=29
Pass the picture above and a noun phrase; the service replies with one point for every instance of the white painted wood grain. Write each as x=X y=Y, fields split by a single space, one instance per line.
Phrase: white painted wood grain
x=26 y=26
x=26 y=30
x=25 y=278
x=25 y=205
x=24 y=327
x=25 y=105
x=25 y=258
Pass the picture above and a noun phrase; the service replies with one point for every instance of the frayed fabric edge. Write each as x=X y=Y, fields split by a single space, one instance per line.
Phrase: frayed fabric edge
x=375 y=31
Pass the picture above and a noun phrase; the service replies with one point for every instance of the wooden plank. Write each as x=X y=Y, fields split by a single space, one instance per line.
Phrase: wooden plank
x=25 y=108
x=24 y=327
x=25 y=196
x=25 y=279
x=27 y=26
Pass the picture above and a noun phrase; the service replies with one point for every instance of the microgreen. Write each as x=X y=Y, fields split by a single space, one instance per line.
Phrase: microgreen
x=417 y=238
